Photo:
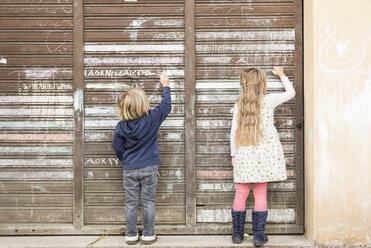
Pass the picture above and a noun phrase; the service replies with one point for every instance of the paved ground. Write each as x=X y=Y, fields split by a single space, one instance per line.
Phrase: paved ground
x=163 y=242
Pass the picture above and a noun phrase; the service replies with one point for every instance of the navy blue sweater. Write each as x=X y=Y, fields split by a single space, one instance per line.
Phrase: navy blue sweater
x=135 y=141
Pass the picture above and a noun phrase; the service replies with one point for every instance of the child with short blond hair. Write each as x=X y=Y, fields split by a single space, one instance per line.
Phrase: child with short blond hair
x=135 y=143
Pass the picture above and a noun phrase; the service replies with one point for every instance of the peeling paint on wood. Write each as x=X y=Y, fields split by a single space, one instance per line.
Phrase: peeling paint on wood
x=9 y=150
x=36 y=162
x=35 y=99
x=54 y=175
x=37 y=137
x=133 y=48
x=33 y=111
x=36 y=124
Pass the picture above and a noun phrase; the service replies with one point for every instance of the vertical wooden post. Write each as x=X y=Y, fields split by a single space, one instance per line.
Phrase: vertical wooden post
x=190 y=118
x=78 y=105
x=299 y=114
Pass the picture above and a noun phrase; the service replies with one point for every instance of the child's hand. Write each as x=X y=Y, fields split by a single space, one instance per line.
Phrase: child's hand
x=164 y=80
x=278 y=71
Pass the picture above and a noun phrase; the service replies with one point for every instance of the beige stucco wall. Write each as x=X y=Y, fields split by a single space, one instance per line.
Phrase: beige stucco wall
x=337 y=99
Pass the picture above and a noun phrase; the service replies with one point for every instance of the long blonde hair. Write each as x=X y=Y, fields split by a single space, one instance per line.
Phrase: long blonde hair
x=253 y=87
x=132 y=104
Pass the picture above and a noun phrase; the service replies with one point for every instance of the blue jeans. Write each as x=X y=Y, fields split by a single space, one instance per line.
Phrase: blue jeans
x=144 y=180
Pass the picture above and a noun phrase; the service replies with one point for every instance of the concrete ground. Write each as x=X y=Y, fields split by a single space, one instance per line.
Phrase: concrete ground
x=163 y=241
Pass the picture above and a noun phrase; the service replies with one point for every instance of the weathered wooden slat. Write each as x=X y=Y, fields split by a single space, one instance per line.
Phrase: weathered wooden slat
x=223 y=215
x=164 y=147
x=246 y=35
x=51 y=85
x=36 y=73
x=244 y=22
x=132 y=34
x=29 y=174
x=165 y=198
x=35 y=36
x=36 y=124
x=33 y=61
x=245 y=48
x=36 y=150
x=254 y=59
x=154 y=10
x=102 y=215
x=36 y=186
x=133 y=60
x=273 y=198
x=35 y=99
x=35 y=23
x=134 y=22
x=133 y=73
x=36 y=215
x=116 y=185
x=37 y=2
x=170 y=159
x=40 y=48
x=35 y=111
x=37 y=11
x=41 y=200
x=241 y=9
x=31 y=137
x=137 y=3
x=114 y=173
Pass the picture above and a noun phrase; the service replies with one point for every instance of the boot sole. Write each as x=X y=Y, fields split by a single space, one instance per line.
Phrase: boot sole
x=237 y=241
x=131 y=242
x=260 y=244
x=149 y=242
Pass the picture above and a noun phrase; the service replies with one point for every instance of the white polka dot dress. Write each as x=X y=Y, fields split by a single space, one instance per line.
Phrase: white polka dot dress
x=264 y=162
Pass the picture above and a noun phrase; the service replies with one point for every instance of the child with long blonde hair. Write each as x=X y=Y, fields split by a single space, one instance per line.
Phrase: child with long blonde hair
x=257 y=154
x=135 y=144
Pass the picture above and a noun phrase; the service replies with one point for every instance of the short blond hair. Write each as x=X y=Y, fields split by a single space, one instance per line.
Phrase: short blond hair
x=132 y=104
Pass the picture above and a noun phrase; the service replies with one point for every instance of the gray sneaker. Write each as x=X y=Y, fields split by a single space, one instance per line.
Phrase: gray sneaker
x=147 y=240
x=132 y=240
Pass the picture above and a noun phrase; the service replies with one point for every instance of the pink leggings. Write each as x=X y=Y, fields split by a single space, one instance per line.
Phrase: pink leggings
x=242 y=192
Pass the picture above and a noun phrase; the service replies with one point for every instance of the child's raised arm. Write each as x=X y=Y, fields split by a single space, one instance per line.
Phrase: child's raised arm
x=289 y=93
x=164 y=108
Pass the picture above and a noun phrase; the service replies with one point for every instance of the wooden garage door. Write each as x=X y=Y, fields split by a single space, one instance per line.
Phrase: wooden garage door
x=232 y=35
x=127 y=46
x=36 y=113
x=62 y=66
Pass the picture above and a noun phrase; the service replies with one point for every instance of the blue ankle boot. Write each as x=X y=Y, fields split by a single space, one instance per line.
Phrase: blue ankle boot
x=238 y=218
x=259 y=219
